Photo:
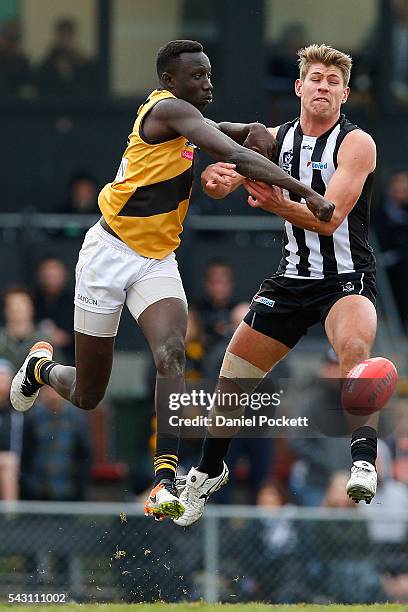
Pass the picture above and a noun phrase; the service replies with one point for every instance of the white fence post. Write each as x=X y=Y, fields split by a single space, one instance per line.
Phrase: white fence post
x=211 y=558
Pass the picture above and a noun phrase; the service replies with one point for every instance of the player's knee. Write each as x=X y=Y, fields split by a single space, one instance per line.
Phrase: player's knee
x=170 y=357
x=89 y=401
x=353 y=351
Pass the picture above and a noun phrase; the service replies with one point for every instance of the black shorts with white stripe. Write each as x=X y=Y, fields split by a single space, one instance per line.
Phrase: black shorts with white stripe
x=284 y=308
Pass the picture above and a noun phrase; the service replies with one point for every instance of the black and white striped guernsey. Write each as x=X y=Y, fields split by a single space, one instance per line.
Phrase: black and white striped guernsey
x=313 y=160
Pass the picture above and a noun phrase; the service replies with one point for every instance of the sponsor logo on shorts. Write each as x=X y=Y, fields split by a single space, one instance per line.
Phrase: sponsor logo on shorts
x=87 y=300
x=317 y=165
x=347 y=287
x=185 y=154
x=263 y=300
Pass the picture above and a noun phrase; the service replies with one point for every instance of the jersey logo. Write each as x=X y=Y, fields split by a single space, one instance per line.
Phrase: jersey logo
x=287 y=158
x=307 y=147
x=347 y=287
x=317 y=165
x=264 y=300
x=186 y=154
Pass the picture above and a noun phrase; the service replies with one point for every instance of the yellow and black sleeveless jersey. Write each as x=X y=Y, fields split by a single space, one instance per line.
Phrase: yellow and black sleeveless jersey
x=148 y=200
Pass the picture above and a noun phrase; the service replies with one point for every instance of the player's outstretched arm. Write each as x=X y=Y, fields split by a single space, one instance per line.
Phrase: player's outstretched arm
x=355 y=161
x=184 y=119
x=255 y=136
x=220 y=179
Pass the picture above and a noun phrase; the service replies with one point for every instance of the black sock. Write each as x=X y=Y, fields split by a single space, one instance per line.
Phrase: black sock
x=364 y=445
x=44 y=370
x=213 y=454
x=165 y=458
x=39 y=368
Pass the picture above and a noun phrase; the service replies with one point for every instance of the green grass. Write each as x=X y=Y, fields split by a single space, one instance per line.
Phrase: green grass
x=204 y=607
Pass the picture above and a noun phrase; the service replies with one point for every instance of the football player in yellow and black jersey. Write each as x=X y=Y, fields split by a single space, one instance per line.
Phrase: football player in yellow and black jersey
x=128 y=257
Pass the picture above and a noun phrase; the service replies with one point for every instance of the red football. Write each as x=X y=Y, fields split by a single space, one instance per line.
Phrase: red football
x=369 y=386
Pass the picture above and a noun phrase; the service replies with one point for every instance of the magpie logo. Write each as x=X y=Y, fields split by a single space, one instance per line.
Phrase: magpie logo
x=347 y=287
x=287 y=158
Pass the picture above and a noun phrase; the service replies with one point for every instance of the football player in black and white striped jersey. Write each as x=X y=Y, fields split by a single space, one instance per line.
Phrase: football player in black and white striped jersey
x=327 y=270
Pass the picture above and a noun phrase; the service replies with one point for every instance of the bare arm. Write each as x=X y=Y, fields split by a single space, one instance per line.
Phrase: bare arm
x=356 y=160
x=255 y=136
x=184 y=119
x=220 y=179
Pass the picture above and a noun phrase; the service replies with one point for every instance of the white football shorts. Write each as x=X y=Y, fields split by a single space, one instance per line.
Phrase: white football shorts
x=110 y=274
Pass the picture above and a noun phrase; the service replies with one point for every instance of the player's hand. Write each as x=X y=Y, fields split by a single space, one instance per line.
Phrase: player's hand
x=321 y=208
x=267 y=197
x=219 y=179
x=259 y=139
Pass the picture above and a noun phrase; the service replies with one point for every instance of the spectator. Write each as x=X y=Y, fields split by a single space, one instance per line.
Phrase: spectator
x=83 y=195
x=283 y=69
x=391 y=496
x=392 y=227
x=339 y=569
x=317 y=458
x=19 y=333
x=54 y=305
x=215 y=355
x=56 y=457
x=275 y=542
x=400 y=466
x=216 y=305
x=368 y=71
x=11 y=427
x=195 y=345
x=15 y=72
x=399 y=50
x=66 y=72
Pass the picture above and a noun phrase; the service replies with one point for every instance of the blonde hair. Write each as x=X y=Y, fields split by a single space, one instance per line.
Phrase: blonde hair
x=323 y=54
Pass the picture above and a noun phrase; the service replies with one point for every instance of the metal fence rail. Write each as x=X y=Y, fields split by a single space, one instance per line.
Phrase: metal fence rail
x=111 y=552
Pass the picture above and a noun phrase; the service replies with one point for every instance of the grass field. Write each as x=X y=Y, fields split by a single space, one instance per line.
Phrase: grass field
x=204 y=607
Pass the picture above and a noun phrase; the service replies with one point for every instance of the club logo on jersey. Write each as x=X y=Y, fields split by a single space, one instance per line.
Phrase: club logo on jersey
x=186 y=154
x=264 y=300
x=307 y=147
x=347 y=287
x=317 y=165
x=287 y=158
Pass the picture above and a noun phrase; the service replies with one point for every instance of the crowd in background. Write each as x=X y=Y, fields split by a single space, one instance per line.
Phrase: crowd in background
x=54 y=442
x=66 y=72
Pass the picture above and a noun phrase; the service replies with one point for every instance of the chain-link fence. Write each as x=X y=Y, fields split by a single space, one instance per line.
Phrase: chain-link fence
x=111 y=552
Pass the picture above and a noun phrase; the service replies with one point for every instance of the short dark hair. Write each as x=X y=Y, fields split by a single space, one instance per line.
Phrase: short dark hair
x=171 y=52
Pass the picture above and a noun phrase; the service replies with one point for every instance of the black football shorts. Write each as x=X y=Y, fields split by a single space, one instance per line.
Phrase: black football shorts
x=284 y=308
